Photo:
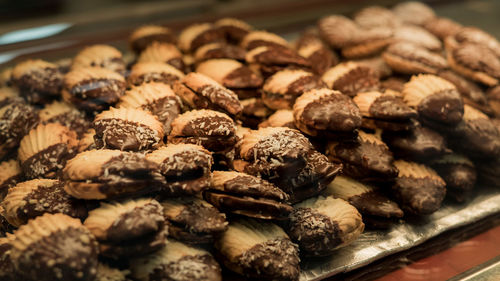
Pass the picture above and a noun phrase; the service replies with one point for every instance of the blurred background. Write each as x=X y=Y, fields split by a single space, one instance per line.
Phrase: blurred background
x=42 y=26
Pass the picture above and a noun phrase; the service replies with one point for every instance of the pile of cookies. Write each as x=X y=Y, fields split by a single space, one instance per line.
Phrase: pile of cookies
x=229 y=147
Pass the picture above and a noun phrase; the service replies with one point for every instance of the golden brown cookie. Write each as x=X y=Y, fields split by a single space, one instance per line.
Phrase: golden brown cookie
x=10 y=176
x=219 y=50
x=145 y=72
x=417 y=36
x=230 y=73
x=234 y=30
x=199 y=34
x=164 y=53
x=258 y=38
x=104 y=56
x=407 y=58
x=66 y=115
x=442 y=27
x=413 y=12
x=280 y=118
x=376 y=17
x=350 y=78
x=143 y=36
x=271 y=59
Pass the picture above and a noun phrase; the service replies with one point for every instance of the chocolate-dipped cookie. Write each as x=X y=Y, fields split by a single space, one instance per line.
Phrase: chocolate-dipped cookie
x=413 y=12
x=260 y=250
x=404 y=57
x=132 y=227
x=44 y=151
x=377 y=209
x=7 y=269
x=17 y=118
x=93 y=88
x=378 y=65
x=157 y=98
x=230 y=73
x=254 y=112
x=143 y=36
x=282 y=89
x=442 y=27
x=368 y=158
x=199 y=34
x=476 y=62
x=280 y=118
x=269 y=60
x=458 y=172
x=186 y=168
x=86 y=141
x=54 y=247
x=259 y=38
x=127 y=129
x=322 y=224
x=386 y=111
x=325 y=112
x=320 y=56
x=213 y=130
x=376 y=17
x=202 y=92
x=418 y=189
x=418 y=144
x=350 y=78
x=219 y=50
x=193 y=220
x=34 y=198
x=417 y=36
x=108 y=174
x=104 y=56
x=66 y=115
x=38 y=81
x=476 y=135
x=475 y=36
x=145 y=72
x=10 y=176
x=161 y=52
x=247 y=195
x=234 y=30
x=177 y=261
x=435 y=99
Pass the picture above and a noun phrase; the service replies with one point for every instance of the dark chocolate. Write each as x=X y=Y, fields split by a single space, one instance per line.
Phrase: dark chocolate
x=16 y=122
x=166 y=109
x=140 y=44
x=388 y=107
x=7 y=269
x=225 y=51
x=419 y=196
x=124 y=135
x=161 y=77
x=445 y=107
x=375 y=204
x=40 y=86
x=241 y=78
x=360 y=79
x=477 y=58
x=199 y=218
x=187 y=268
x=460 y=179
x=49 y=162
x=96 y=94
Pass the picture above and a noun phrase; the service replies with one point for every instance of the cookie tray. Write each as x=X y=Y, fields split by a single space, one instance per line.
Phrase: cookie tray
x=373 y=245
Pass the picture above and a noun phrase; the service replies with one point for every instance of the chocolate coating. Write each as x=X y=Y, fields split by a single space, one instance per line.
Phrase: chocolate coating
x=389 y=107
x=187 y=268
x=359 y=79
x=17 y=120
x=124 y=135
x=139 y=246
x=376 y=205
x=40 y=85
x=139 y=44
x=477 y=138
x=445 y=107
x=49 y=162
x=96 y=94
x=460 y=179
x=140 y=222
x=419 y=196
x=7 y=270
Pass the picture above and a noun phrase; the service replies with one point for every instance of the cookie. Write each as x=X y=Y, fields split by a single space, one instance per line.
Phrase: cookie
x=280 y=118
x=54 y=247
x=92 y=88
x=413 y=12
x=476 y=36
x=368 y=158
x=213 y=130
x=143 y=36
x=156 y=98
x=417 y=36
x=103 y=56
x=44 y=151
x=350 y=78
x=376 y=17
x=86 y=141
x=386 y=110
x=234 y=30
x=377 y=209
x=326 y=112
x=230 y=73
x=435 y=99
x=337 y=30
x=269 y=60
x=199 y=34
x=319 y=55
x=260 y=250
x=33 y=198
x=10 y=176
x=202 y=92
x=254 y=112
x=127 y=227
x=282 y=89
x=108 y=174
x=145 y=72
x=66 y=115
x=219 y=50
x=185 y=167
x=458 y=172
x=177 y=261
x=7 y=270
x=476 y=62
x=247 y=195
x=404 y=57
x=161 y=52
x=418 y=189
x=259 y=38
x=378 y=65
x=321 y=225
x=107 y=273
x=38 y=81
x=17 y=118
x=193 y=220
x=442 y=27
x=127 y=129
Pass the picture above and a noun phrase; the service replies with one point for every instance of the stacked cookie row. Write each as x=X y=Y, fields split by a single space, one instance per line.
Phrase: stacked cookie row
x=229 y=147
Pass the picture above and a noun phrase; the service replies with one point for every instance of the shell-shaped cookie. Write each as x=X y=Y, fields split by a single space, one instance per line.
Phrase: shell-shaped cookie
x=407 y=58
x=442 y=27
x=65 y=114
x=202 y=123
x=337 y=30
x=417 y=36
x=104 y=56
x=164 y=53
x=413 y=12
x=387 y=106
x=177 y=261
x=280 y=118
x=143 y=36
x=127 y=129
x=376 y=17
x=351 y=78
x=87 y=165
x=259 y=38
x=144 y=72
x=234 y=29
x=37 y=80
x=198 y=34
x=478 y=36
x=10 y=176
x=322 y=224
x=259 y=249
x=119 y=221
x=146 y=94
x=64 y=248
x=230 y=73
x=219 y=50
